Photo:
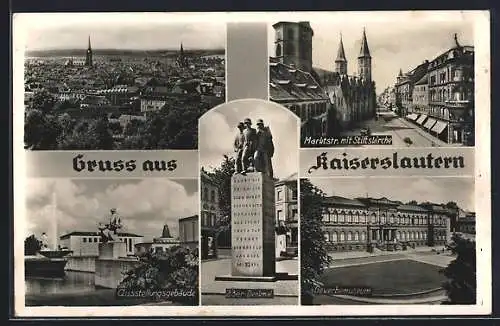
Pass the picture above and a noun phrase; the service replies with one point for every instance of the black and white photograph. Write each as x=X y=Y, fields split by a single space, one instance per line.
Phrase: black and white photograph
x=111 y=242
x=249 y=204
x=388 y=241
x=114 y=82
x=411 y=79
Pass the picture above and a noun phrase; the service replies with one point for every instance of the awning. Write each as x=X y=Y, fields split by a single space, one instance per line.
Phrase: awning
x=430 y=122
x=422 y=119
x=412 y=116
x=439 y=127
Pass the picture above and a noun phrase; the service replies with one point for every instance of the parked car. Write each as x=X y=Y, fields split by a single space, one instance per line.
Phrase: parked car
x=365 y=131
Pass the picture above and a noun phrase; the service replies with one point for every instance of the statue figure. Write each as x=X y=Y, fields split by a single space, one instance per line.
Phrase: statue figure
x=249 y=138
x=238 y=148
x=108 y=231
x=264 y=149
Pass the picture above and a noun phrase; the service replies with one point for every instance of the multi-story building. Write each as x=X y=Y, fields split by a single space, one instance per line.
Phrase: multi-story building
x=448 y=111
x=287 y=217
x=466 y=223
x=154 y=98
x=405 y=84
x=158 y=245
x=325 y=101
x=188 y=231
x=210 y=214
x=83 y=243
x=365 y=223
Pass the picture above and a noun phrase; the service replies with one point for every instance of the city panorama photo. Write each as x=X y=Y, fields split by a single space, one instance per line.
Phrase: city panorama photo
x=407 y=83
x=96 y=82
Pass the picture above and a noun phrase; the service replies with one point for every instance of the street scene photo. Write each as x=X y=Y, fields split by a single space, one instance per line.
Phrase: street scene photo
x=412 y=81
x=249 y=204
x=110 y=242
x=96 y=82
x=388 y=241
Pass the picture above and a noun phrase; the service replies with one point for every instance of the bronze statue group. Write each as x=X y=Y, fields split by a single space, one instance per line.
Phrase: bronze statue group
x=254 y=148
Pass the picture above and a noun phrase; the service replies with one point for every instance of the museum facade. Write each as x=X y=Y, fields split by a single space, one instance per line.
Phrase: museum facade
x=362 y=224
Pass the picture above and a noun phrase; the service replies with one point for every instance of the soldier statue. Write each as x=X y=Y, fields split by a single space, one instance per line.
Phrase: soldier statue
x=249 y=138
x=108 y=231
x=238 y=147
x=264 y=149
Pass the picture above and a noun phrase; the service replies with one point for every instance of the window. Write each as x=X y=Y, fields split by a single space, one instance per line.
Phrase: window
x=374 y=218
x=294 y=194
x=334 y=217
x=325 y=216
x=342 y=236
x=84 y=240
x=280 y=215
x=130 y=245
x=341 y=217
x=279 y=195
x=278 y=50
x=349 y=236
x=295 y=214
x=205 y=194
x=327 y=236
x=356 y=236
x=363 y=236
x=334 y=237
x=212 y=196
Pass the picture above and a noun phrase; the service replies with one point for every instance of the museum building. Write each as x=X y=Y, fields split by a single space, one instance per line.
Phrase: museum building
x=363 y=223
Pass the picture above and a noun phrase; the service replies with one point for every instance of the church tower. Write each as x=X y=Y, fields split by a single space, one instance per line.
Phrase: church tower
x=365 y=60
x=341 y=61
x=293 y=44
x=88 y=57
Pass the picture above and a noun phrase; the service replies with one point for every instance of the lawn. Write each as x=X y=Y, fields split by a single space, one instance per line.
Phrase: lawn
x=394 y=277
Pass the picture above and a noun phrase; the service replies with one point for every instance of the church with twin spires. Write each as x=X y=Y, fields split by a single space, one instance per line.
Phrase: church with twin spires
x=327 y=101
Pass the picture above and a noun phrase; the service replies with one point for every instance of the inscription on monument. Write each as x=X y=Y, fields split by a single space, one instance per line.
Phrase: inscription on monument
x=252 y=224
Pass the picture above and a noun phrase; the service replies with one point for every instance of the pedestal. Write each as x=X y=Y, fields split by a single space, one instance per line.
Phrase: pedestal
x=112 y=250
x=252 y=228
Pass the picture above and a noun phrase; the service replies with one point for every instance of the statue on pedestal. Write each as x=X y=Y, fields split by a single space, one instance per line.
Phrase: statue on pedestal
x=254 y=148
x=108 y=231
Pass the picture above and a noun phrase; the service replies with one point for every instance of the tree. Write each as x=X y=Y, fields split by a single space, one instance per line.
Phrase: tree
x=43 y=101
x=222 y=179
x=41 y=131
x=461 y=272
x=314 y=254
x=175 y=269
x=32 y=245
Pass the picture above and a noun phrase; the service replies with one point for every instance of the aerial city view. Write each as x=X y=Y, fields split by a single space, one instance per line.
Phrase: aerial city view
x=103 y=93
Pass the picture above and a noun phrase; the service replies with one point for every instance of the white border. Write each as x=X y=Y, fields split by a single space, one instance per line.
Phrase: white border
x=482 y=155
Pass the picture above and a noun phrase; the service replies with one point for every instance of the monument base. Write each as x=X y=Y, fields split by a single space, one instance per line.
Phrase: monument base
x=246 y=278
x=112 y=250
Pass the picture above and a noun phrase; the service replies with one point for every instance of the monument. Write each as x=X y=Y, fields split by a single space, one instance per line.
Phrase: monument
x=253 y=212
x=109 y=246
x=112 y=262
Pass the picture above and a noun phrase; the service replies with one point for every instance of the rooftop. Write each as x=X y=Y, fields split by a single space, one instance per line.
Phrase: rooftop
x=96 y=234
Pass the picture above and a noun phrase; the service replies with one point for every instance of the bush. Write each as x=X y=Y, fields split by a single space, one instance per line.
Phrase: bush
x=175 y=269
x=461 y=273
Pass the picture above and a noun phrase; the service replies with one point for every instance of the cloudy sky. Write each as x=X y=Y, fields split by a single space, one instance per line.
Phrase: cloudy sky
x=394 y=43
x=217 y=130
x=120 y=31
x=438 y=190
x=145 y=205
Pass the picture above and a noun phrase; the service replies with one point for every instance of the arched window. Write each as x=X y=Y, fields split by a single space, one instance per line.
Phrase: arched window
x=382 y=219
x=356 y=236
x=391 y=219
x=327 y=236
x=278 y=50
x=342 y=236
x=335 y=216
x=363 y=218
x=398 y=235
x=374 y=218
x=349 y=236
x=326 y=216
x=341 y=217
x=334 y=236
x=349 y=217
x=399 y=219
x=363 y=236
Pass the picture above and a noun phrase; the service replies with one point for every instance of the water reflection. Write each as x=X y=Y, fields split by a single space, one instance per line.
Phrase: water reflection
x=71 y=282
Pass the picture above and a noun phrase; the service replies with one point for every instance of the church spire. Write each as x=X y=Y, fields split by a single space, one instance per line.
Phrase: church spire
x=340 y=51
x=341 y=61
x=364 y=51
x=88 y=56
x=89 y=46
